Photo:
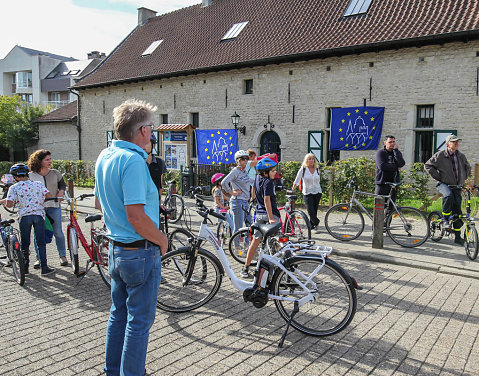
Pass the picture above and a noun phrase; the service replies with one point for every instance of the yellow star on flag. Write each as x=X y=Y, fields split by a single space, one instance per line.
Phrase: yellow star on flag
x=207 y=141
x=364 y=144
x=212 y=135
x=231 y=152
x=341 y=139
x=227 y=159
x=365 y=112
x=213 y=162
x=231 y=138
x=346 y=145
x=206 y=149
x=349 y=113
x=372 y=119
x=231 y=144
x=342 y=121
x=355 y=146
x=219 y=162
x=218 y=132
x=208 y=157
x=226 y=134
x=370 y=137
x=340 y=129
x=374 y=127
x=357 y=110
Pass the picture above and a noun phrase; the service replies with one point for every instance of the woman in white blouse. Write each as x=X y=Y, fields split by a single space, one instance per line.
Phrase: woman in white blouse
x=309 y=182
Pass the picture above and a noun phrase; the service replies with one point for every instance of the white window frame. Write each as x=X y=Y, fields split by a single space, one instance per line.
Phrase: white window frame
x=23 y=80
x=235 y=30
x=152 y=47
x=358 y=7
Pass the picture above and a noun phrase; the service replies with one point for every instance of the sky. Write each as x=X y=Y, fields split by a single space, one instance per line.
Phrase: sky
x=73 y=27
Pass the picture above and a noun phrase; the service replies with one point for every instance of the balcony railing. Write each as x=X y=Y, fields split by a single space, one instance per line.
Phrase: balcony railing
x=55 y=104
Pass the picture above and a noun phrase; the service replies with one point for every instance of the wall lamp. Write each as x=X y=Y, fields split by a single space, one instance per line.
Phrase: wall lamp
x=235 y=119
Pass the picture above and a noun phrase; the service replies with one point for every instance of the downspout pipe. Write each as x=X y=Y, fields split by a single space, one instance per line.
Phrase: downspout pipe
x=78 y=125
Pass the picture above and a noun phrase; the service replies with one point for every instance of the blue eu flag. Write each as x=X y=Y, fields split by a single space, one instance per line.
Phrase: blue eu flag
x=356 y=128
x=216 y=146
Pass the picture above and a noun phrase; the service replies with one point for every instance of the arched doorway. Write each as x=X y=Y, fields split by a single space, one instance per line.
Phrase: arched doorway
x=270 y=143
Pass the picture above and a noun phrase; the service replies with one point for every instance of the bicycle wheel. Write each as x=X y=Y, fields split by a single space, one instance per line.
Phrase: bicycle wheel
x=407 y=227
x=178 y=239
x=344 y=222
x=239 y=244
x=335 y=300
x=301 y=227
x=73 y=249
x=205 y=281
x=14 y=208
x=471 y=241
x=101 y=256
x=223 y=233
x=175 y=202
x=17 y=260
x=436 y=229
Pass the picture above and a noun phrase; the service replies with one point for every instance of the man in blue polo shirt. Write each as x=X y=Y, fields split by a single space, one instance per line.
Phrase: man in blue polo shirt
x=129 y=201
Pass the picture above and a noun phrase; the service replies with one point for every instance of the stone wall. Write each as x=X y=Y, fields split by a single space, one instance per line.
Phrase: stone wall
x=61 y=138
x=444 y=76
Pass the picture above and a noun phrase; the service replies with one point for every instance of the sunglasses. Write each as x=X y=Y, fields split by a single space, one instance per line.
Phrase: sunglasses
x=244 y=158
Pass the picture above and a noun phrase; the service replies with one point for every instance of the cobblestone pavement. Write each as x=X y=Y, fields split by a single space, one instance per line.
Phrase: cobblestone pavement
x=409 y=321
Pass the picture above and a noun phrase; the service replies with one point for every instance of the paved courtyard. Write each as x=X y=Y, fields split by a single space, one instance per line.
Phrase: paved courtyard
x=410 y=321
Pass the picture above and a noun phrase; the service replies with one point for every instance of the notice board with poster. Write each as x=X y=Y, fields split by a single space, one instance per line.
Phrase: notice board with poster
x=176 y=145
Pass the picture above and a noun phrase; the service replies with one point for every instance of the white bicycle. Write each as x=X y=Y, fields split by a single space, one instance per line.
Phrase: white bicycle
x=311 y=292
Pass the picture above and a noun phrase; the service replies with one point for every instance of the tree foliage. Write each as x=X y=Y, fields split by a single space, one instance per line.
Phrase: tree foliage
x=17 y=127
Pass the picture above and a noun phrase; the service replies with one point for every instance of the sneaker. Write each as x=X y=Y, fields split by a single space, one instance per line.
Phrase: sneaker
x=36 y=265
x=48 y=270
x=459 y=241
x=26 y=271
x=245 y=272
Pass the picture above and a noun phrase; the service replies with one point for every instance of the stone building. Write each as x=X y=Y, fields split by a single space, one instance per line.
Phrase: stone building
x=282 y=65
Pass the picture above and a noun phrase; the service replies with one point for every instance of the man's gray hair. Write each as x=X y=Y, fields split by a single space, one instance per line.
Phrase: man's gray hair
x=128 y=115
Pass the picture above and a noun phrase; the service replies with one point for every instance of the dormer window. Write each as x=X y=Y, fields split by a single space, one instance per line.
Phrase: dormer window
x=152 y=47
x=358 y=7
x=235 y=30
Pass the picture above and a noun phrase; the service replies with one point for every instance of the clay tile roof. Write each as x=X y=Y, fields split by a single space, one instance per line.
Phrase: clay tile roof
x=278 y=31
x=173 y=127
x=64 y=113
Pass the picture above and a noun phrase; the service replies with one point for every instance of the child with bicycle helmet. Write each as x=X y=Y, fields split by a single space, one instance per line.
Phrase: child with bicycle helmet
x=266 y=209
x=219 y=196
x=237 y=183
x=30 y=196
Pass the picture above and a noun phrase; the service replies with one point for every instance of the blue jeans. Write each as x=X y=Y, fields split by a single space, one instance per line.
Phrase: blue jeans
x=238 y=208
x=38 y=224
x=135 y=279
x=451 y=204
x=56 y=215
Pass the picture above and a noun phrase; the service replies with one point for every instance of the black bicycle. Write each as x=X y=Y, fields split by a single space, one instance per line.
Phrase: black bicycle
x=13 y=256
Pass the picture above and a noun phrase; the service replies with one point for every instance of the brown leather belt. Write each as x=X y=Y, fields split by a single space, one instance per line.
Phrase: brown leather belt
x=138 y=244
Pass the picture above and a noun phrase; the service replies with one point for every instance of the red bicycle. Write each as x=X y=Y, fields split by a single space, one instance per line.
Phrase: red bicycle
x=97 y=250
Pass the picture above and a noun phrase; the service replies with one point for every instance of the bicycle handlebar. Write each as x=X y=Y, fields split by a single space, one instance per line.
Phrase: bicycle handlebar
x=7 y=222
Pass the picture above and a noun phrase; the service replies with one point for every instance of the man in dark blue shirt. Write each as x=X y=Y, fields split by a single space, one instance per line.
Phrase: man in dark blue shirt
x=266 y=209
x=389 y=161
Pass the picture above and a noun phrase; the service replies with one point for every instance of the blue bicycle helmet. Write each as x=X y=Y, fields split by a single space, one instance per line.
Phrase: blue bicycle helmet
x=265 y=164
x=19 y=169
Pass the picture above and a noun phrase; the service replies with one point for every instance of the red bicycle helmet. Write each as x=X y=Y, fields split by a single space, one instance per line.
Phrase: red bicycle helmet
x=217 y=177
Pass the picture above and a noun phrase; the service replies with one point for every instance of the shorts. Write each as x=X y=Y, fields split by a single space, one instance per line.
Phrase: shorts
x=260 y=220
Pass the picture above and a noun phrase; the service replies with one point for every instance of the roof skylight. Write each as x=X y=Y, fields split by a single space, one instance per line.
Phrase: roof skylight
x=235 y=30
x=152 y=47
x=358 y=7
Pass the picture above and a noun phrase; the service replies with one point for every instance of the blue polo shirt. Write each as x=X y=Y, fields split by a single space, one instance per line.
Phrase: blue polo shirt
x=122 y=178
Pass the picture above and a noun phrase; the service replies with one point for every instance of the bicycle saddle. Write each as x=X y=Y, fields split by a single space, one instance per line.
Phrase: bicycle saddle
x=267 y=229
x=394 y=184
x=292 y=197
x=93 y=218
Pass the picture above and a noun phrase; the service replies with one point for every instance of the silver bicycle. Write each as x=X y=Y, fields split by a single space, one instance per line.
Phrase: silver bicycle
x=311 y=292
x=405 y=225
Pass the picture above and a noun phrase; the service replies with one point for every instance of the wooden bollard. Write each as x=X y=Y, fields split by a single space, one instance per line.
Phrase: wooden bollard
x=378 y=222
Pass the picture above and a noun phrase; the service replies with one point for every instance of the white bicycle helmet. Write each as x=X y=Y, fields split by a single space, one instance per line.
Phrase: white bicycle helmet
x=241 y=153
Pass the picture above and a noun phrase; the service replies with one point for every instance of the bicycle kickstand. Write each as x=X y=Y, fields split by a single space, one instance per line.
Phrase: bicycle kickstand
x=82 y=274
x=295 y=311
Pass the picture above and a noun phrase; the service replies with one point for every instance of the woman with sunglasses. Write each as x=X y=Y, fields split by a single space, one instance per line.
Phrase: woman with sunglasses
x=237 y=183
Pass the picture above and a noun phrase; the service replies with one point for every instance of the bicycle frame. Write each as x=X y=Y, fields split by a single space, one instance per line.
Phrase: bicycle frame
x=205 y=234
x=355 y=201
x=89 y=248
